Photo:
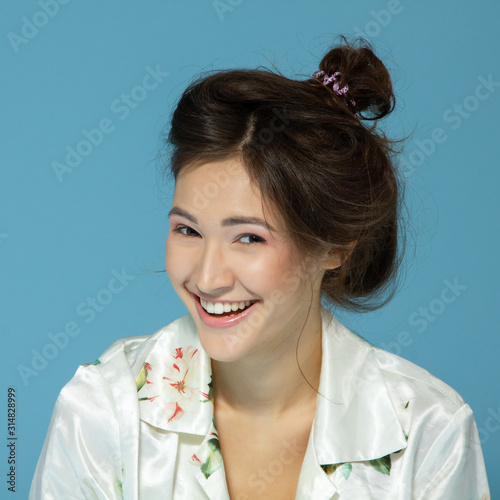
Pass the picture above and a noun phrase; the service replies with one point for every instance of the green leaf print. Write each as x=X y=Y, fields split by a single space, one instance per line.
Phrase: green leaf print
x=141 y=378
x=345 y=468
x=382 y=465
x=96 y=362
x=214 y=444
x=210 y=393
x=119 y=484
x=214 y=459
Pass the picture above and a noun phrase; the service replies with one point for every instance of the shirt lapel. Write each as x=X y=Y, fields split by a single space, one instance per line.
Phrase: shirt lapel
x=355 y=418
x=173 y=380
x=174 y=388
x=209 y=468
x=314 y=484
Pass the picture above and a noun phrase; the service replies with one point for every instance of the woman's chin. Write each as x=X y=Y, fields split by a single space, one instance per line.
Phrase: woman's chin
x=222 y=345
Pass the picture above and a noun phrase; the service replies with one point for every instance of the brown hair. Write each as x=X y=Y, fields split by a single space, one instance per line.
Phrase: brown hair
x=328 y=174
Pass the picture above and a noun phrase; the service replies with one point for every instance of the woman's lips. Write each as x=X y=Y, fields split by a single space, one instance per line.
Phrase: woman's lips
x=214 y=321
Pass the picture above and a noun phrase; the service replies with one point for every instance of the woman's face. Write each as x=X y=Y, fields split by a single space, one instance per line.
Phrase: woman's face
x=213 y=254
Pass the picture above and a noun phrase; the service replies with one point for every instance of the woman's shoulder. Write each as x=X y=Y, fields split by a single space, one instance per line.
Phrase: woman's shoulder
x=440 y=430
x=382 y=382
x=404 y=380
x=386 y=396
x=414 y=382
x=425 y=405
x=119 y=365
x=399 y=411
x=96 y=418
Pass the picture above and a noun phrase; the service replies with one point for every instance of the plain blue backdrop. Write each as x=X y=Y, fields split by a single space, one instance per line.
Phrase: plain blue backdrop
x=71 y=67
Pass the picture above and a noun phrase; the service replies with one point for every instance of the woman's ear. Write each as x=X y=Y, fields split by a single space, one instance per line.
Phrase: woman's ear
x=334 y=258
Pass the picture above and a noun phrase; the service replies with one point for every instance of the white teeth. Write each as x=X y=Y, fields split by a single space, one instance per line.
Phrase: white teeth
x=220 y=307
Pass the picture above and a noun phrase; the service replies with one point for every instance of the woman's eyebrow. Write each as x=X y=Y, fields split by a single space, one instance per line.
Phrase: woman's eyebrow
x=230 y=221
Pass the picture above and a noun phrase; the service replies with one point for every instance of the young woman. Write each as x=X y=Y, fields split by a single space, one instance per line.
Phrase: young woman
x=286 y=201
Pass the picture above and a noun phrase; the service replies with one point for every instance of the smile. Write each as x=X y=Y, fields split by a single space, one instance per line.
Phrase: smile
x=224 y=307
x=223 y=314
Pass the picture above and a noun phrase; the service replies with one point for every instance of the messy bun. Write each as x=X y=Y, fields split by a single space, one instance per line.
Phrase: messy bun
x=369 y=82
x=328 y=175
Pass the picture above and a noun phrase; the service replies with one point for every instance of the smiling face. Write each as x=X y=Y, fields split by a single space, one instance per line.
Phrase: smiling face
x=219 y=248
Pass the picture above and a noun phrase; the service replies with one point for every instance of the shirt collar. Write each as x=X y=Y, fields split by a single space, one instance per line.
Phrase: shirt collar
x=355 y=418
x=174 y=380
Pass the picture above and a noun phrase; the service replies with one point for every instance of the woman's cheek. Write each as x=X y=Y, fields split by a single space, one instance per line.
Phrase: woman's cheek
x=173 y=260
x=267 y=271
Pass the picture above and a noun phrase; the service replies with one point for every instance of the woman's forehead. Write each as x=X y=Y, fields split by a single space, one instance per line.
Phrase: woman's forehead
x=226 y=188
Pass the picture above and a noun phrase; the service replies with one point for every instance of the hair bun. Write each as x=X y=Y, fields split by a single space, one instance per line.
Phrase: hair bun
x=369 y=82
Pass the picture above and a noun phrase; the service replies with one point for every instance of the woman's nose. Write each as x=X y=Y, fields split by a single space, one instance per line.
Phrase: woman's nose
x=213 y=273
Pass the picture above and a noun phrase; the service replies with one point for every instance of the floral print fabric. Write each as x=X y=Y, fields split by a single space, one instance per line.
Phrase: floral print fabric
x=173 y=385
x=175 y=390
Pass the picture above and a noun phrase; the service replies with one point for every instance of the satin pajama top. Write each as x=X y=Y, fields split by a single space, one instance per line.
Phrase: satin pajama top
x=138 y=423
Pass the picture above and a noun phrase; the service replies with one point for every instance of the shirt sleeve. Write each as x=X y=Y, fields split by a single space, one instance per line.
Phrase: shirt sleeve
x=454 y=466
x=80 y=458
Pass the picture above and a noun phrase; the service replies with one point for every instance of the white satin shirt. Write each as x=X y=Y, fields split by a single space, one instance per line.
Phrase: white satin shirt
x=138 y=424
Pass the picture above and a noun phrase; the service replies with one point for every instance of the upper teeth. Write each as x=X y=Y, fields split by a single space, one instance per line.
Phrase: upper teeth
x=221 y=307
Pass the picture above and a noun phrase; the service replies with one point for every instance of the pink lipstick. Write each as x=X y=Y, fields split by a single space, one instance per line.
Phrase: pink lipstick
x=215 y=321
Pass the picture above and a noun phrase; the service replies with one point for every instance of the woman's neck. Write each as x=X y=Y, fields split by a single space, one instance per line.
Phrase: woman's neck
x=269 y=385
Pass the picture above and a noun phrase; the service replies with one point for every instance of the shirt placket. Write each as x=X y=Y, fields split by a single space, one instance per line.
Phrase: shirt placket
x=314 y=484
x=209 y=468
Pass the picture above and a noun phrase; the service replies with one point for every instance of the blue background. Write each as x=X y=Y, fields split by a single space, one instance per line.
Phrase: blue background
x=61 y=238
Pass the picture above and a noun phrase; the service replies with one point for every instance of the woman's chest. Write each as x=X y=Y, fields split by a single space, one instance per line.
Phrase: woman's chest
x=262 y=462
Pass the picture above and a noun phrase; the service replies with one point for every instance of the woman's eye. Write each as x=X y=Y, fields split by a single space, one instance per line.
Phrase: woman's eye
x=253 y=238
x=179 y=229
